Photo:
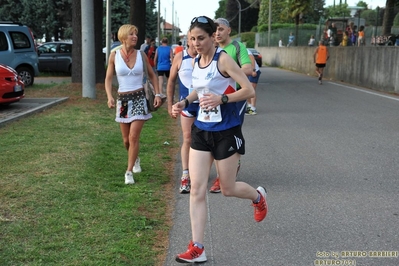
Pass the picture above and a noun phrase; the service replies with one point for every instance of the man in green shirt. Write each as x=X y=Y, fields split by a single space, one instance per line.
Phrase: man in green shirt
x=239 y=53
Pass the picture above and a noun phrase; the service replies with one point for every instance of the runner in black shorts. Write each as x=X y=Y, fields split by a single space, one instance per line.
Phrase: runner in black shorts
x=216 y=133
x=221 y=144
x=320 y=58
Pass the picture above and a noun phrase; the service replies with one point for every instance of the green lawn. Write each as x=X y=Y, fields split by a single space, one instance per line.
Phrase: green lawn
x=63 y=200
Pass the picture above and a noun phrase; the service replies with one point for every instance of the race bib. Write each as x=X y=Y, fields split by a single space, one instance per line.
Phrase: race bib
x=213 y=115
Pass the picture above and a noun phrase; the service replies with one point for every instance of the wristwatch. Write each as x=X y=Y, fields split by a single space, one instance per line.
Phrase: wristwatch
x=225 y=99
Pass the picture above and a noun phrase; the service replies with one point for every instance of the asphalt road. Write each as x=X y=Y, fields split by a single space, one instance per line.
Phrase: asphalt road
x=329 y=158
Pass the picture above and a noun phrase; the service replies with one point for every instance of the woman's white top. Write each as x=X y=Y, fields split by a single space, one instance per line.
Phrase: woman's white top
x=129 y=79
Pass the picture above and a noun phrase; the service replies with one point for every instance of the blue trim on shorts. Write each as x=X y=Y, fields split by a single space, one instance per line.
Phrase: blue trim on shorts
x=255 y=79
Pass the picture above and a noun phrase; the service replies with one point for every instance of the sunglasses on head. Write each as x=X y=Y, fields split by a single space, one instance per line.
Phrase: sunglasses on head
x=200 y=20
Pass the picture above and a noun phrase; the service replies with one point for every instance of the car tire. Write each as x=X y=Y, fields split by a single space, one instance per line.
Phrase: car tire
x=26 y=75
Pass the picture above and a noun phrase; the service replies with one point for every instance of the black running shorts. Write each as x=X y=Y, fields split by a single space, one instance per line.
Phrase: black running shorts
x=320 y=65
x=221 y=144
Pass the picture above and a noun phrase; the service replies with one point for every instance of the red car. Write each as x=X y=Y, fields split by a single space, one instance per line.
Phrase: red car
x=12 y=89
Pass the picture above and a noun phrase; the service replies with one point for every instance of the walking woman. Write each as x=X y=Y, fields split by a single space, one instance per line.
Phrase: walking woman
x=216 y=133
x=181 y=69
x=131 y=105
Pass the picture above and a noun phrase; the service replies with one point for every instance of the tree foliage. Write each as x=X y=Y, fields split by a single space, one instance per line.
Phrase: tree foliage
x=229 y=9
x=277 y=6
x=45 y=17
x=296 y=9
x=337 y=11
x=389 y=15
x=370 y=16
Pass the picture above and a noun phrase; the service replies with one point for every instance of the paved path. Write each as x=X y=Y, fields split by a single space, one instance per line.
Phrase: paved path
x=328 y=156
x=28 y=106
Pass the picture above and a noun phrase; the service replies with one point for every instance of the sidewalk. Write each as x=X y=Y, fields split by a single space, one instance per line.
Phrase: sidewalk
x=49 y=80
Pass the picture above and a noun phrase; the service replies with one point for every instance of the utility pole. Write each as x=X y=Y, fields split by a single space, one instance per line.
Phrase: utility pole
x=239 y=19
x=270 y=23
x=173 y=22
x=88 y=64
x=159 y=21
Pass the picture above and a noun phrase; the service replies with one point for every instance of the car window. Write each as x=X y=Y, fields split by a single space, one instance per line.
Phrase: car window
x=19 y=40
x=65 y=48
x=3 y=42
x=48 y=48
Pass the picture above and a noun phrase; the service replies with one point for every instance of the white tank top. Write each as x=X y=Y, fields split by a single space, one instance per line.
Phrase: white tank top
x=129 y=79
x=223 y=116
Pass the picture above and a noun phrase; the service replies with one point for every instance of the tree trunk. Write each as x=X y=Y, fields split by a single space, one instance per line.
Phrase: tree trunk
x=388 y=17
x=77 y=42
x=98 y=36
x=137 y=17
x=296 y=29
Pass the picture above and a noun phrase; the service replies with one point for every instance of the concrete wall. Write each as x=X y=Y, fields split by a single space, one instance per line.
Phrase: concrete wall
x=372 y=67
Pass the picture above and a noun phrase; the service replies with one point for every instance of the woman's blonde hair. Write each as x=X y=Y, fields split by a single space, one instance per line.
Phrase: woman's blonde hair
x=125 y=30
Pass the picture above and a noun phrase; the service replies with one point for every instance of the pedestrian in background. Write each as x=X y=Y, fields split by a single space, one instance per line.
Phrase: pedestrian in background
x=311 y=41
x=239 y=53
x=150 y=52
x=361 y=39
x=216 y=132
x=354 y=35
x=345 y=39
x=253 y=78
x=179 y=48
x=146 y=43
x=291 y=39
x=320 y=58
x=182 y=68
x=131 y=104
x=163 y=60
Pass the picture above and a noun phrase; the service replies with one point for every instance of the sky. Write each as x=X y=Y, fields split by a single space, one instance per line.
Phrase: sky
x=185 y=10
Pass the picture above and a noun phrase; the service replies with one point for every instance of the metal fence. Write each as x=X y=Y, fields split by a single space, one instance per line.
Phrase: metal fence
x=304 y=35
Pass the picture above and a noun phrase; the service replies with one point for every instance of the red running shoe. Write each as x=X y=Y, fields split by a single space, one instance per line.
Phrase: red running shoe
x=215 y=188
x=260 y=207
x=192 y=254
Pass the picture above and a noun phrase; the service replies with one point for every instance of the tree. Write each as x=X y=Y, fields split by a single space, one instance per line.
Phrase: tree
x=277 y=7
x=77 y=42
x=98 y=44
x=296 y=9
x=11 y=10
x=151 y=22
x=316 y=12
x=221 y=11
x=137 y=17
x=337 y=11
x=388 y=17
x=370 y=16
x=119 y=16
x=249 y=16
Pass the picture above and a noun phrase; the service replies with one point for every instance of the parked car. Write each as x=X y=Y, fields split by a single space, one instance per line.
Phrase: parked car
x=115 y=45
x=257 y=56
x=55 y=57
x=18 y=50
x=12 y=89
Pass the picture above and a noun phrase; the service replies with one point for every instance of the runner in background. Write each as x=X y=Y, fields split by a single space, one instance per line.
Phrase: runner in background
x=239 y=53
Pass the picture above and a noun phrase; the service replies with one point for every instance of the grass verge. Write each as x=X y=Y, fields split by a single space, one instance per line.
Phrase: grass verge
x=62 y=191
